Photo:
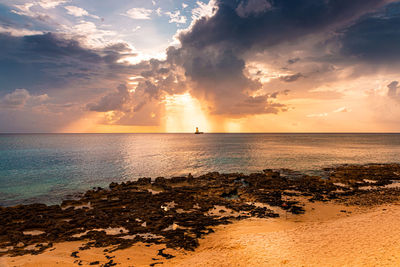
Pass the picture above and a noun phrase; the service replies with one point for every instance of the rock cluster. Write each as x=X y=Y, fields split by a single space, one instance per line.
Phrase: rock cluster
x=180 y=210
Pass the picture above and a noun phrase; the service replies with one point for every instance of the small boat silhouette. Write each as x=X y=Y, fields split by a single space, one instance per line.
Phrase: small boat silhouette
x=197 y=131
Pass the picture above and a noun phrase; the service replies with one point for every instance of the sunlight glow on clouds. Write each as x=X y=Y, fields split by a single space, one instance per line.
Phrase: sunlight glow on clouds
x=26 y=9
x=47 y=4
x=184 y=114
x=221 y=65
x=18 y=32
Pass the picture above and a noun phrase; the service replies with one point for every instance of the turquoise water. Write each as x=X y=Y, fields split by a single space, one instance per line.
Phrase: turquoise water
x=48 y=167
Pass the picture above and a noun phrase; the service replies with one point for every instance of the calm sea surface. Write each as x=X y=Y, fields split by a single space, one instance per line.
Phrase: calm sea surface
x=48 y=167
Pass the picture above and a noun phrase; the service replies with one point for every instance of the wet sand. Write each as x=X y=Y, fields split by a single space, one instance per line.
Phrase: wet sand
x=326 y=235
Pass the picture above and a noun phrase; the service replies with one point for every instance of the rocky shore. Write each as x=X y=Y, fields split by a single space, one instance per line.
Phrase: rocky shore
x=177 y=212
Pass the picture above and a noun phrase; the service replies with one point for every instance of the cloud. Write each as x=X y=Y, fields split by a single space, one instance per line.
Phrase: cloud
x=136 y=28
x=252 y=7
x=18 y=32
x=342 y=109
x=204 y=10
x=214 y=50
x=139 y=13
x=326 y=114
x=276 y=94
x=112 y=101
x=293 y=60
x=19 y=98
x=128 y=107
x=393 y=86
x=47 y=4
x=291 y=78
x=92 y=36
x=317 y=115
x=302 y=45
x=283 y=22
x=57 y=61
x=374 y=39
x=16 y=99
x=26 y=9
x=79 y=12
x=73 y=73
x=176 y=17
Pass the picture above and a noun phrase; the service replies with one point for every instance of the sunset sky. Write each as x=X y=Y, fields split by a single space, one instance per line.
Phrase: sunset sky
x=220 y=65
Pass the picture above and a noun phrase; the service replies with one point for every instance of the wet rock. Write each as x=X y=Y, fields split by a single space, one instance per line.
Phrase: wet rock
x=232 y=194
x=143 y=181
x=155 y=263
x=160 y=181
x=184 y=203
x=113 y=185
x=165 y=255
x=109 y=264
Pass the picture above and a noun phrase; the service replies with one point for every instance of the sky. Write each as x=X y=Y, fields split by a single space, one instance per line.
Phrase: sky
x=221 y=65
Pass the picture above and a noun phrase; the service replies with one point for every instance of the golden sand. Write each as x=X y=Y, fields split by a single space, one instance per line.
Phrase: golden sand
x=324 y=236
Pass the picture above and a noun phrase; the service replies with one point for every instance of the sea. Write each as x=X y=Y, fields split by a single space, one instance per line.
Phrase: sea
x=47 y=168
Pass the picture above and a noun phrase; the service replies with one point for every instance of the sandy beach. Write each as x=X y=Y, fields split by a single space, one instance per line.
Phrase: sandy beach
x=262 y=219
x=326 y=235
x=364 y=238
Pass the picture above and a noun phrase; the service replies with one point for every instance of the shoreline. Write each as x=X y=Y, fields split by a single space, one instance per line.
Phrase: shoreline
x=324 y=234
x=168 y=219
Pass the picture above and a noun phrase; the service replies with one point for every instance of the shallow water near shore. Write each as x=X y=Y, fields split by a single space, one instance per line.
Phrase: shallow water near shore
x=48 y=167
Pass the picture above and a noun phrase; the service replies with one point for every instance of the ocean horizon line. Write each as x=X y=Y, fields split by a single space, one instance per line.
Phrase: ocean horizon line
x=68 y=133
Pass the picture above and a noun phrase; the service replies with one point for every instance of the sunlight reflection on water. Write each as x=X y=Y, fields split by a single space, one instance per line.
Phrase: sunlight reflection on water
x=47 y=167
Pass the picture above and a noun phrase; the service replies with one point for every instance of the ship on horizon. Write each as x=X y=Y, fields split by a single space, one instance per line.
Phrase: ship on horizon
x=197 y=131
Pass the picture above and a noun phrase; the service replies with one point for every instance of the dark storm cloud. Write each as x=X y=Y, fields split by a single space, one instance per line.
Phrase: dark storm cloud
x=285 y=20
x=276 y=94
x=393 y=86
x=113 y=101
x=53 y=61
x=62 y=68
x=50 y=46
x=291 y=78
x=375 y=39
x=213 y=52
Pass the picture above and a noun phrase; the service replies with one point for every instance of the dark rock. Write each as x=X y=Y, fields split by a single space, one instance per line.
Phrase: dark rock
x=155 y=263
x=160 y=181
x=165 y=255
x=110 y=263
x=113 y=185
x=75 y=254
x=144 y=181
